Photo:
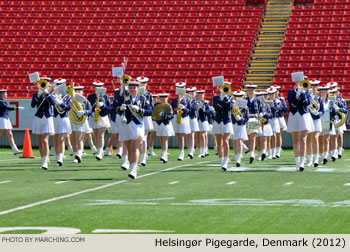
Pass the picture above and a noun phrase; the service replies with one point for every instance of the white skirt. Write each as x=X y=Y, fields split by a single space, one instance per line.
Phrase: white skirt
x=80 y=128
x=154 y=123
x=62 y=125
x=267 y=131
x=204 y=126
x=43 y=126
x=210 y=129
x=117 y=125
x=131 y=131
x=282 y=122
x=183 y=127
x=328 y=132
x=297 y=122
x=5 y=124
x=165 y=130
x=194 y=125
x=253 y=126
x=221 y=128
x=240 y=132
x=103 y=122
x=317 y=125
x=147 y=122
x=275 y=125
x=341 y=129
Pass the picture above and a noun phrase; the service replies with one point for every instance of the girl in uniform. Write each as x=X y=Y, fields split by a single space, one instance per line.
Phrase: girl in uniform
x=203 y=114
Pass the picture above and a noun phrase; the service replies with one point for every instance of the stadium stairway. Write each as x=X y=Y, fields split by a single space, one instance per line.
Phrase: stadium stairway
x=266 y=52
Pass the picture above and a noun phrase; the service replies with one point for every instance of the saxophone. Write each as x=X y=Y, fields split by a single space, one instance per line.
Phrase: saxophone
x=97 y=109
x=236 y=111
x=76 y=106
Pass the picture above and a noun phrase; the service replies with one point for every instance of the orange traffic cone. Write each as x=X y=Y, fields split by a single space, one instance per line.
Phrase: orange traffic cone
x=110 y=144
x=27 y=146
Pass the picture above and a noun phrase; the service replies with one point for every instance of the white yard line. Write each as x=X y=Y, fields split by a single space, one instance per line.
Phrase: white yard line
x=4 y=182
x=286 y=169
x=347 y=184
x=289 y=183
x=231 y=183
x=173 y=183
x=324 y=170
x=94 y=189
x=61 y=182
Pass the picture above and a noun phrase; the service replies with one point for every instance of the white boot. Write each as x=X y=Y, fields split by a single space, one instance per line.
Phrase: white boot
x=273 y=154
x=216 y=150
x=245 y=148
x=108 y=151
x=125 y=164
x=259 y=155
x=301 y=163
x=278 y=152
x=269 y=154
x=340 y=152
x=181 y=155
x=44 y=163
x=70 y=149
x=99 y=154
x=224 y=163
x=94 y=150
x=164 y=157
x=252 y=157
x=119 y=152
x=133 y=171
x=190 y=153
x=334 y=155
x=297 y=163
x=59 y=159
x=263 y=155
x=143 y=159
x=15 y=150
x=309 y=162
x=325 y=158
x=52 y=151
x=78 y=156
x=238 y=160
x=206 y=151
x=316 y=160
x=151 y=152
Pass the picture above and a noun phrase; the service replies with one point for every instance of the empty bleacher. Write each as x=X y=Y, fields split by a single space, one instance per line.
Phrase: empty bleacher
x=168 y=41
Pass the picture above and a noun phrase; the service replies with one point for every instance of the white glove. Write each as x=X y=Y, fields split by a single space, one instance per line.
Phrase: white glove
x=20 y=108
x=40 y=92
x=261 y=114
x=123 y=107
x=45 y=91
x=222 y=96
x=80 y=113
x=315 y=113
x=100 y=104
x=134 y=108
x=238 y=118
x=181 y=106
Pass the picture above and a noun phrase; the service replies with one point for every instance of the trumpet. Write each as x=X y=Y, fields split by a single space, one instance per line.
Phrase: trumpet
x=226 y=89
x=305 y=84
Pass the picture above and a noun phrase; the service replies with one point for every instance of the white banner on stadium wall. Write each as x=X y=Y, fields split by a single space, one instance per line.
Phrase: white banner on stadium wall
x=21 y=119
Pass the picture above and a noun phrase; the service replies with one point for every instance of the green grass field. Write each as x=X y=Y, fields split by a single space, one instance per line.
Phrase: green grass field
x=192 y=196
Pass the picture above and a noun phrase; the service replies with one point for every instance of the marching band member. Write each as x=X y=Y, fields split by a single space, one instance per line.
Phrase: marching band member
x=117 y=124
x=272 y=91
x=203 y=114
x=210 y=132
x=282 y=123
x=147 y=120
x=43 y=120
x=152 y=133
x=181 y=122
x=222 y=126
x=61 y=121
x=299 y=122
x=253 y=125
x=133 y=132
x=194 y=106
x=5 y=123
x=312 y=141
x=78 y=131
x=341 y=106
x=326 y=120
x=88 y=137
x=99 y=120
x=164 y=128
x=341 y=103
x=239 y=128
x=265 y=117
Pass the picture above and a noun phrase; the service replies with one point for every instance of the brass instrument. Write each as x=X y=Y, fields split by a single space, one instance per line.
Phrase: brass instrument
x=226 y=89
x=76 y=106
x=236 y=111
x=262 y=122
x=97 y=109
x=43 y=84
x=179 y=111
x=305 y=84
x=338 y=122
x=314 y=105
x=160 y=107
